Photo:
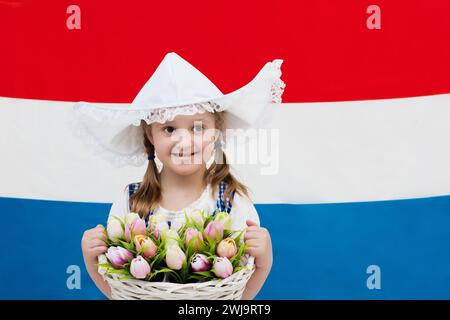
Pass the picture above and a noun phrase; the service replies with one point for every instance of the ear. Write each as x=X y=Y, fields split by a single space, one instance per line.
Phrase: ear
x=148 y=132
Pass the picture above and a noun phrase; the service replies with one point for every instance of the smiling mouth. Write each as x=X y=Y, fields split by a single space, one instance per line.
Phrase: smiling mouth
x=181 y=155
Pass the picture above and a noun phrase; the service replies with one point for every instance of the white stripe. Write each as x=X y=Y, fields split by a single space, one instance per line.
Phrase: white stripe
x=329 y=152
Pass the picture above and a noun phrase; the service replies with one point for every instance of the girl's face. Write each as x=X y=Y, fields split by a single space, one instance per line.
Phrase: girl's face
x=185 y=144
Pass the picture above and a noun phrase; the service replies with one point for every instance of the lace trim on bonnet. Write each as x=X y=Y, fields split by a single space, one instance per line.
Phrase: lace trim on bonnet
x=163 y=115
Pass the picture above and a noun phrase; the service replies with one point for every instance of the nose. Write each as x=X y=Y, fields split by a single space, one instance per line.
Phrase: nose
x=184 y=142
x=183 y=148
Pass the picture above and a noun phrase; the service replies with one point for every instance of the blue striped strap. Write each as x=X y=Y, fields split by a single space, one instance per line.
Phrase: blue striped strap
x=220 y=200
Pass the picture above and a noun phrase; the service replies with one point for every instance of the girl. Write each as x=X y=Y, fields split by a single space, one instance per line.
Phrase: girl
x=187 y=169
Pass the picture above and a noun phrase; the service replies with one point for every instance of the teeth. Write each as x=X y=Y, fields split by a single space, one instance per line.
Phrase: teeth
x=183 y=155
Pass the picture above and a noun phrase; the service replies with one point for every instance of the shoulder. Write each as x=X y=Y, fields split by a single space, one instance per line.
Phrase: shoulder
x=243 y=209
x=120 y=206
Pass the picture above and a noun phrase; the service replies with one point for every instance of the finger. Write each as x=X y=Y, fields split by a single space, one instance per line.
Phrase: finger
x=252 y=232
x=252 y=235
x=99 y=229
x=103 y=236
x=93 y=230
x=252 y=251
x=99 y=250
x=251 y=223
x=252 y=243
x=96 y=234
x=88 y=232
x=97 y=243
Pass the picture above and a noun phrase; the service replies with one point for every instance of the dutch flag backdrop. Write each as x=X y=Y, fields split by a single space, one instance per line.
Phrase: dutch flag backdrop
x=360 y=204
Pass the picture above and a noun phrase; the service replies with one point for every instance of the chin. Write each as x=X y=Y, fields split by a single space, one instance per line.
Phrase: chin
x=185 y=169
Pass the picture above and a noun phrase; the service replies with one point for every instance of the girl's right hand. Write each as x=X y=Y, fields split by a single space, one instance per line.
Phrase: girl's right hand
x=93 y=243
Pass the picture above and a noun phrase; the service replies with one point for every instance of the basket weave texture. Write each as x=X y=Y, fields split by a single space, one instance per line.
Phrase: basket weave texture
x=230 y=288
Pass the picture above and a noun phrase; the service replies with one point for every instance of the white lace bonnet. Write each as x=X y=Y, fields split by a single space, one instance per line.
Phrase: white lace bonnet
x=176 y=87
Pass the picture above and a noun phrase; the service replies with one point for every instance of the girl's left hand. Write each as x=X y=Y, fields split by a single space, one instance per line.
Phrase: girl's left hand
x=259 y=244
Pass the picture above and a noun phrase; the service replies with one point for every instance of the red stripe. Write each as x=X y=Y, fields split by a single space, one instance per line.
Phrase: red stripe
x=329 y=53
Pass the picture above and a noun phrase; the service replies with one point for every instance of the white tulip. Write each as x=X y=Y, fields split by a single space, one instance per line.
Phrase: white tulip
x=114 y=229
x=131 y=217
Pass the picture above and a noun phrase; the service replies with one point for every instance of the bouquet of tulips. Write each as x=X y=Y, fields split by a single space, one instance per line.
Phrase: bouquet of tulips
x=203 y=248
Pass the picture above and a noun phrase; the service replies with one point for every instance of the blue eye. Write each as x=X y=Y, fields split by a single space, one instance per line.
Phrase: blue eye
x=169 y=129
x=198 y=128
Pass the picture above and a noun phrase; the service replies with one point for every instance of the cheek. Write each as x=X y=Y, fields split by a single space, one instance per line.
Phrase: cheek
x=207 y=144
x=163 y=146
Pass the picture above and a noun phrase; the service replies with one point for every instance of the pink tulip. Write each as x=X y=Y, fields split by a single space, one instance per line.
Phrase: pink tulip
x=139 y=268
x=127 y=233
x=222 y=268
x=175 y=257
x=118 y=256
x=156 y=234
x=138 y=227
x=198 y=238
x=130 y=217
x=226 y=248
x=212 y=227
x=200 y=263
x=145 y=245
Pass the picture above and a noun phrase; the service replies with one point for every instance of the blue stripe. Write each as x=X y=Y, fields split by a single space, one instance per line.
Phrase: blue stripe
x=320 y=251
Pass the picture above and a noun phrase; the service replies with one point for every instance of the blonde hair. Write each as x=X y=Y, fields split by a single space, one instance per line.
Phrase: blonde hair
x=148 y=195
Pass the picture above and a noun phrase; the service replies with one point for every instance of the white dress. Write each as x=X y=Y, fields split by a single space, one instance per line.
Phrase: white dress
x=241 y=210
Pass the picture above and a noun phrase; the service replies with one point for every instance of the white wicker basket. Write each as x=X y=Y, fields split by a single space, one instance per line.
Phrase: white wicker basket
x=230 y=288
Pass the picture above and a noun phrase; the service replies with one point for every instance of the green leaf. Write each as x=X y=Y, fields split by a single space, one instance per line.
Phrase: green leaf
x=162 y=270
x=204 y=273
x=211 y=244
x=189 y=259
x=119 y=271
x=122 y=223
x=175 y=275
x=190 y=247
x=158 y=258
x=238 y=269
x=237 y=258
x=208 y=254
x=227 y=234
x=127 y=246
x=199 y=278
x=238 y=237
x=208 y=220
x=218 y=235
x=153 y=238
